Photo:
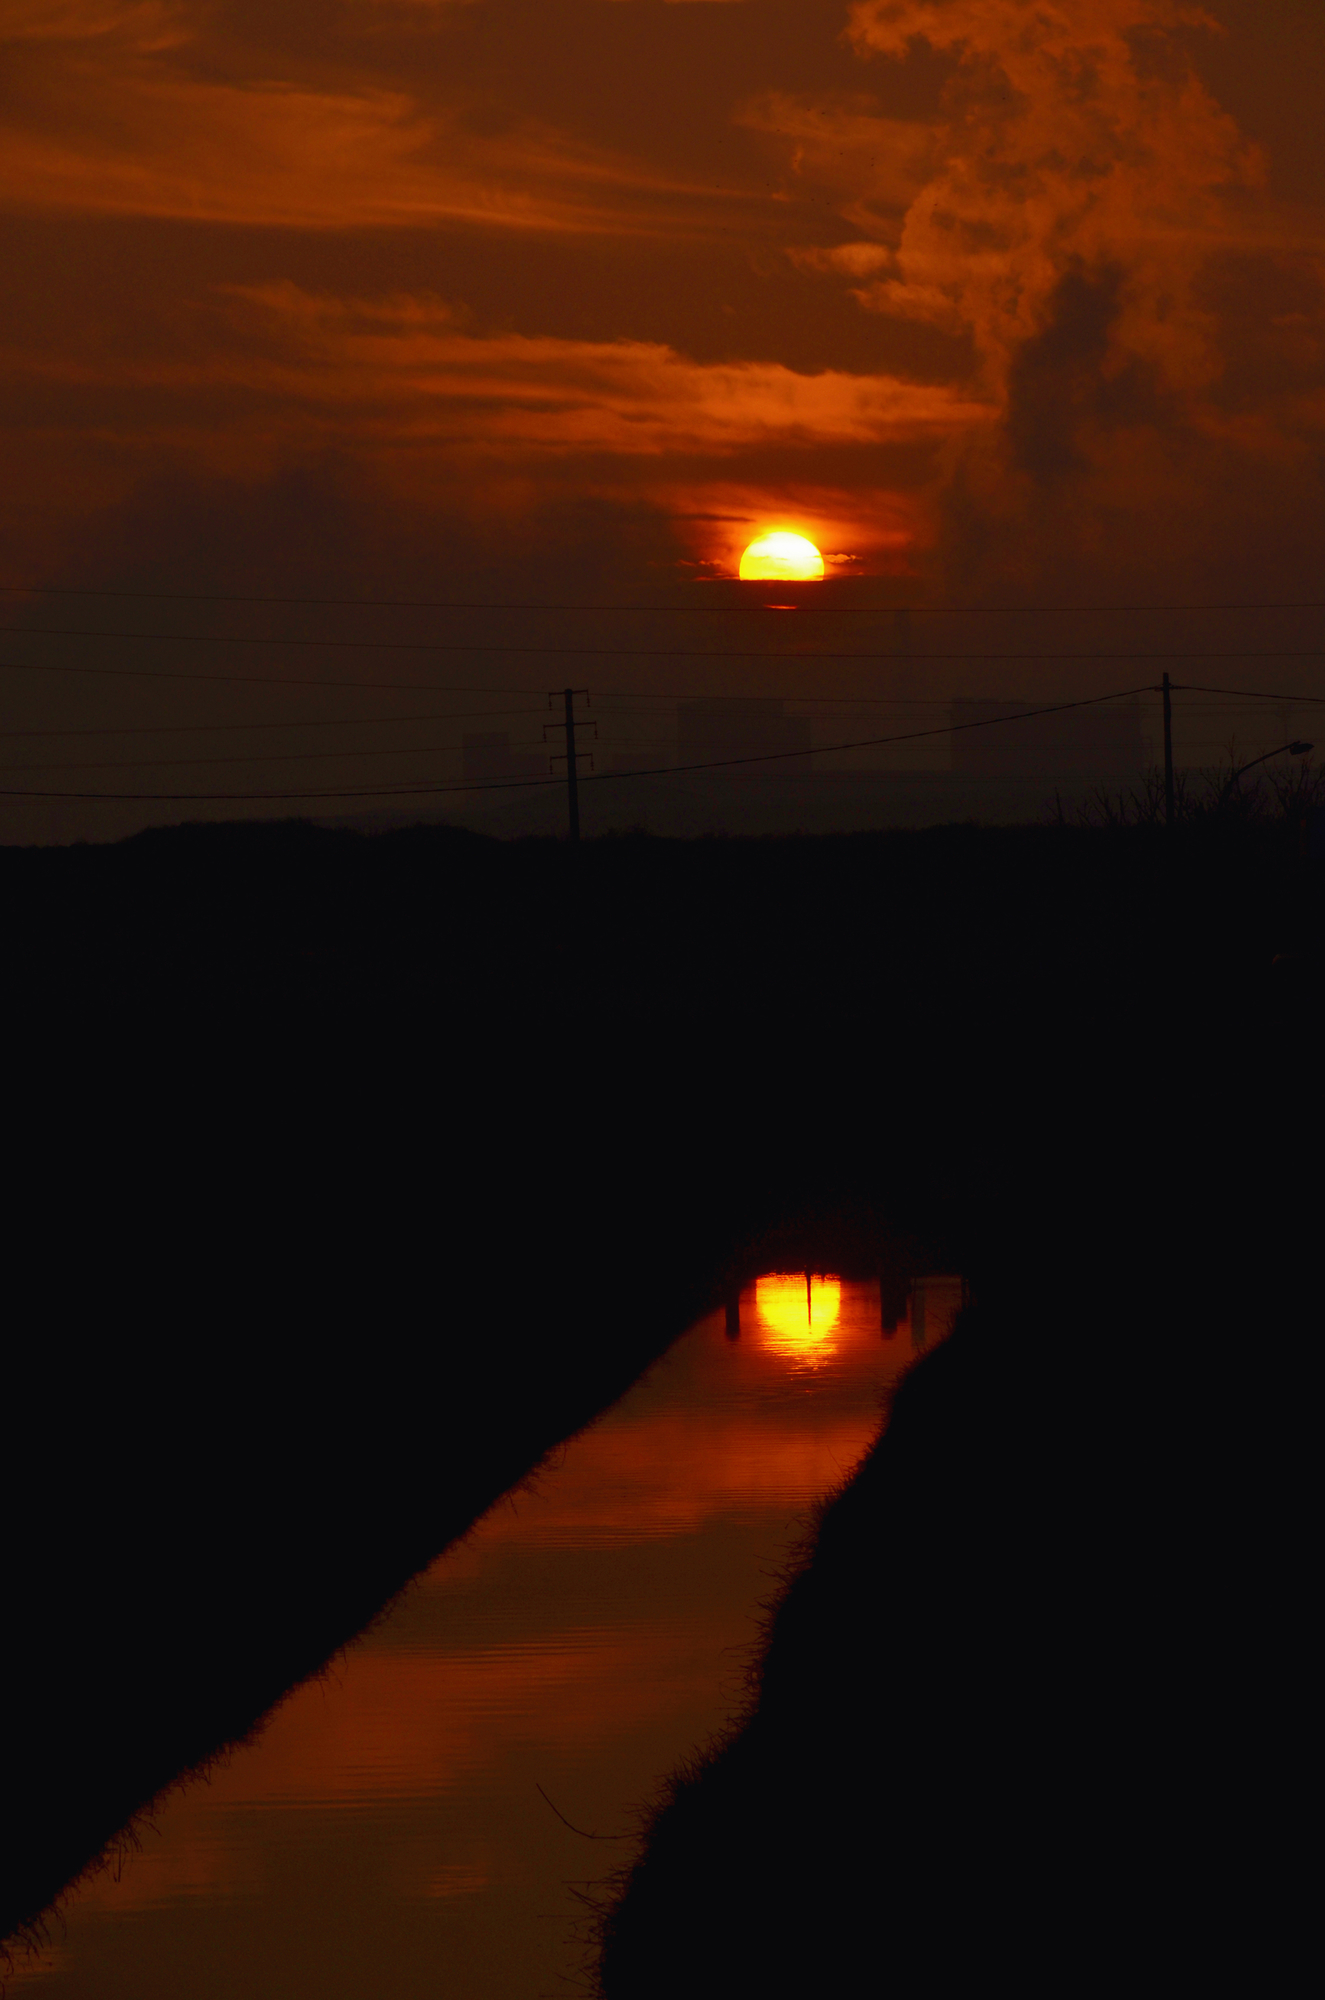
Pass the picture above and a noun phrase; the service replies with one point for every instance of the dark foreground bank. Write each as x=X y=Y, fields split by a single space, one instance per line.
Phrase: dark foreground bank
x=1080 y=1551
x=337 y=1155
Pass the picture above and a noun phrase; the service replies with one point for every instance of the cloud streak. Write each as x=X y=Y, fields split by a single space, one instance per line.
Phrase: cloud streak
x=276 y=155
x=141 y=108
x=144 y=25
x=501 y=392
x=404 y=370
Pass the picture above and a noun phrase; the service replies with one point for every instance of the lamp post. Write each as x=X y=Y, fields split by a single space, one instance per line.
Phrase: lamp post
x=1289 y=749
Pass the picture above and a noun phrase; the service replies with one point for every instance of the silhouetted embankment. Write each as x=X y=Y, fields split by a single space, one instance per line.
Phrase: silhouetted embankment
x=354 y=1172
x=1035 y=1710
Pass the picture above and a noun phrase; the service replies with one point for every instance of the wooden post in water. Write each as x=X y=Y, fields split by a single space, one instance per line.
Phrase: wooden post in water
x=893 y=1291
x=1169 y=803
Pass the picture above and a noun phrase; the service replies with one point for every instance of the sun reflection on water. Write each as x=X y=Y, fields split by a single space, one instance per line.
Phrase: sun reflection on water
x=798 y=1314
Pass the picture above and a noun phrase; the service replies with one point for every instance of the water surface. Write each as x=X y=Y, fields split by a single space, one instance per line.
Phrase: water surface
x=393 y=1831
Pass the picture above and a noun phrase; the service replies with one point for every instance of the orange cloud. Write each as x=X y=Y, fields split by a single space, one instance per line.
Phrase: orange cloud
x=1085 y=242
x=625 y=397
x=143 y=24
x=877 y=165
x=108 y=120
x=855 y=260
x=278 y=155
x=404 y=370
x=1075 y=133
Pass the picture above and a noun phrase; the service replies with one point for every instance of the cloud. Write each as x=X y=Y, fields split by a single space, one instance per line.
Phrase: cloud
x=856 y=260
x=1074 y=132
x=109 y=118
x=1093 y=224
x=281 y=156
x=1092 y=332
x=623 y=397
x=145 y=25
x=874 y=163
x=405 y=370
x=398 y=406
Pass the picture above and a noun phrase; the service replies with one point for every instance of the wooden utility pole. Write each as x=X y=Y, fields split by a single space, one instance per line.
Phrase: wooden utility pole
x=1169 y=802
x=572 y=775
x=572 y=762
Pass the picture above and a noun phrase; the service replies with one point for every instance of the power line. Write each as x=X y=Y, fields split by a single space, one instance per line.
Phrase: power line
x=299 y=756
x=265 y=798
x=819 y=703
x=258 y=680
x=876 y=742
x=836 y=610
x=629 y=652
x=597 y=777
x=524 y=748
x=415 y=687
x=1247 y=694
x=324 y=722
x=253 y=757
x=414 y=749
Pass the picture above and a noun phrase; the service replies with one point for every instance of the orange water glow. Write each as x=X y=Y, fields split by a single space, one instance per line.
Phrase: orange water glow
x=798 y=1314
x=580 y=1640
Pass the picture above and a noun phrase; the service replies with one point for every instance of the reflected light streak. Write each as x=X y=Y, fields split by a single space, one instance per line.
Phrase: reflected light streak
x=798 y=1314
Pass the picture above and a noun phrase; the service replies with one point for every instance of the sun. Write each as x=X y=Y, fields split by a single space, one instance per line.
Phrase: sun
x=782 y=558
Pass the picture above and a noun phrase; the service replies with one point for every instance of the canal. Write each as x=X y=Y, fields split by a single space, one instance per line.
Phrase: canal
x=417 y=1821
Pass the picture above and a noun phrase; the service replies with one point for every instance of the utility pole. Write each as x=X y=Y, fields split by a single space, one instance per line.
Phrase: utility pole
x=1169 y=804
x=572 y=775
x=572 y=762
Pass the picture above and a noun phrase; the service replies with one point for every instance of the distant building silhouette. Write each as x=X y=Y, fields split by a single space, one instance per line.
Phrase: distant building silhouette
x=712 y=730
x=1079 y=743
x=489 y=758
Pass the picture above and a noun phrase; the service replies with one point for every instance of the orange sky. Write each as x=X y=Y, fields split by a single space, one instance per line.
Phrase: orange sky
x=998 y=301
x=604 y=284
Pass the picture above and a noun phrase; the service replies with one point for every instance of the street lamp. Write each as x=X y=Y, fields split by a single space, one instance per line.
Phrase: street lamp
x=1289 y=749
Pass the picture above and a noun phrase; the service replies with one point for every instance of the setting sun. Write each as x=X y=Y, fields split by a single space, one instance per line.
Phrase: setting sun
x=782 y=558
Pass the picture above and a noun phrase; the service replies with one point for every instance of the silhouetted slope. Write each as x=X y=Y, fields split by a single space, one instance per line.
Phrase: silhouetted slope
x=350 y=1173
x=1038 y=1708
